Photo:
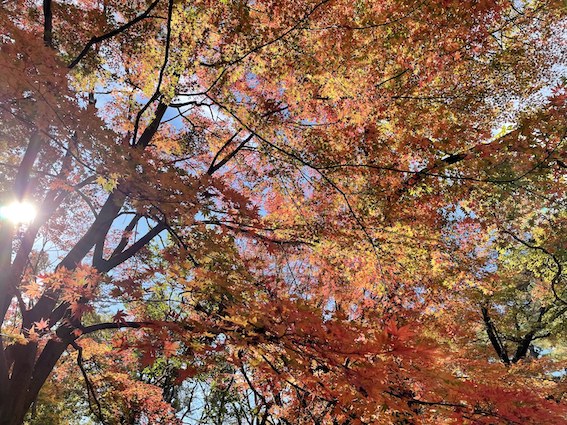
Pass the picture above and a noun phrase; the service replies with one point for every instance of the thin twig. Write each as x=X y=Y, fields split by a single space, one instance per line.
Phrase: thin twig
x=90 y=387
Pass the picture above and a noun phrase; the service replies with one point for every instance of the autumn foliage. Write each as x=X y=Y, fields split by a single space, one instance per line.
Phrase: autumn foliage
x=327 y=212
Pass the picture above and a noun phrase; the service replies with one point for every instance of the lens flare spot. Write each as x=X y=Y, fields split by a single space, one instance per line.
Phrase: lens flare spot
x=18 y=212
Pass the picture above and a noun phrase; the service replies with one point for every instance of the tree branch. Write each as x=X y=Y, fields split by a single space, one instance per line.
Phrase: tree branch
x=126 y=235
x=118 y=259
x=494 y=338
x=90 y=387
x=112 y=33
x=115 y=325
x=215 y=167
x=226 y=144
x=47 y=23
x=558 y=273
x=160 y=111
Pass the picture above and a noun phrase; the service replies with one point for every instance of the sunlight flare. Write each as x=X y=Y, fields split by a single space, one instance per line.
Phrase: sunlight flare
x=18 y=212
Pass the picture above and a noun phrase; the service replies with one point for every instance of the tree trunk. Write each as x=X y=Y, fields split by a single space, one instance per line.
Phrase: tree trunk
x=12 y=412
x=29 y=373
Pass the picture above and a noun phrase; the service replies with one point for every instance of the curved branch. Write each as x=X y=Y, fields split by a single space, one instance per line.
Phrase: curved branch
x=375 y=246
x=270 y=42
x=112 y=33
x=119 y=325
x=161 y=107
x=558 y=272
x=90 y=387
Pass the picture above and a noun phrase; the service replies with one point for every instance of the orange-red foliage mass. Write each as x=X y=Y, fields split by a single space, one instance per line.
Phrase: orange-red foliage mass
x=353 y=212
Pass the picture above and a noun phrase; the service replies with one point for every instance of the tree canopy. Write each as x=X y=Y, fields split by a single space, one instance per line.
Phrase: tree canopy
x=291 y=211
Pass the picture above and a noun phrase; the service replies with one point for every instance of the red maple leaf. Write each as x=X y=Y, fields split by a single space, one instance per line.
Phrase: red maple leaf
x=119 y=317
x=43 y=324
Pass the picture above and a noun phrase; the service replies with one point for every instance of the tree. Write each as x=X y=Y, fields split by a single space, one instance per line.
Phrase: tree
x=321 y=189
